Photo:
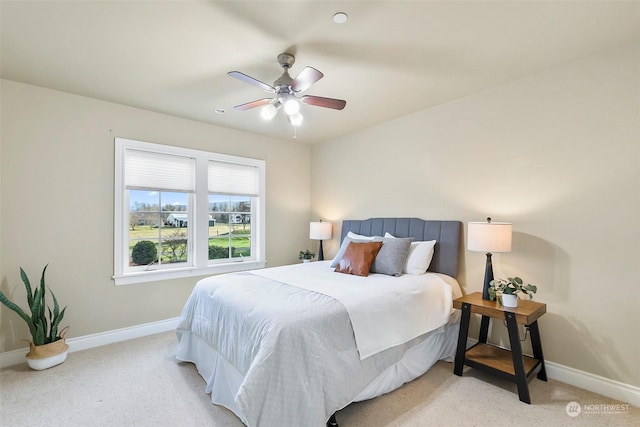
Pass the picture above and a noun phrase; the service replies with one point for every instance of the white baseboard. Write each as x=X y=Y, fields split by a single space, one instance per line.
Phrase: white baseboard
x=581 y=379
x=594 y=383
x=16 y=357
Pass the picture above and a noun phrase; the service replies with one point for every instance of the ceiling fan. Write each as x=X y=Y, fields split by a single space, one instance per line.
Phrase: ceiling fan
x=286 y=90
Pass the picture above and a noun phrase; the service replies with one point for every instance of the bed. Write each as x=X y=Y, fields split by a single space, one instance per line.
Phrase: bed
x=291 y=345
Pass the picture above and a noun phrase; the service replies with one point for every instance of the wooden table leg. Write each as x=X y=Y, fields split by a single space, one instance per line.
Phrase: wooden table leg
x=462 y=339
x=518 y=361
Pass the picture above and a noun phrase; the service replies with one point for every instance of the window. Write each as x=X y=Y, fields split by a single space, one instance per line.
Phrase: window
x=182 y=212
x=231 y=236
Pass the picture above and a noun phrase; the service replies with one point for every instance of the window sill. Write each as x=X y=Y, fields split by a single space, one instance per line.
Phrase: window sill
x=178 y=273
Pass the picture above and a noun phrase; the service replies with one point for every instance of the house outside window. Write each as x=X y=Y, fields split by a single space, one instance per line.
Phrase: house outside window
x=182 y=212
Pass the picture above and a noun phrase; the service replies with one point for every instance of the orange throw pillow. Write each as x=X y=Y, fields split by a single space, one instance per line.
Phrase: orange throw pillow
x=358 y=257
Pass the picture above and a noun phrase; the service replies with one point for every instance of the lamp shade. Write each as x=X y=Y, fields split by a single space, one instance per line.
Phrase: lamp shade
x=319 y=230
x=489 y=236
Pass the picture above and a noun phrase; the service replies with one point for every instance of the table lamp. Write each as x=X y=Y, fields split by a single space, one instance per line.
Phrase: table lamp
x=489 y=237
x=320 y=231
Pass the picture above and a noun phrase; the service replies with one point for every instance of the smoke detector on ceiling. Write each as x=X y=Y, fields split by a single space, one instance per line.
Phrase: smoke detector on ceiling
x=340 y=18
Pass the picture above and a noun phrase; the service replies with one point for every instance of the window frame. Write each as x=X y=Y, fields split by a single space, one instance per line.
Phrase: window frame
x=199 y=255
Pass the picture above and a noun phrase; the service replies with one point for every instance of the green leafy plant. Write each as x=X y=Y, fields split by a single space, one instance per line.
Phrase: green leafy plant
x=144 y=253
x=43 y=328
x=307 y=254
x=218 y=252
x=510 y=286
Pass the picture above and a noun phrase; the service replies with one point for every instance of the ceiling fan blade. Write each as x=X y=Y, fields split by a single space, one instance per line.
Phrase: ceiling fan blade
x=318 y=101
x=305 y=79
x=248 y=79
x=253 y=104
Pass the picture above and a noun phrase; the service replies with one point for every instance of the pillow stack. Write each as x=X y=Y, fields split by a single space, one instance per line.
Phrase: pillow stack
x=360 y=255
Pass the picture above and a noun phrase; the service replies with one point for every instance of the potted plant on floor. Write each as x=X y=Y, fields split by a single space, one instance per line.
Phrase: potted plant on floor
x=306 y=255
x=48 y=347
x=509 y=290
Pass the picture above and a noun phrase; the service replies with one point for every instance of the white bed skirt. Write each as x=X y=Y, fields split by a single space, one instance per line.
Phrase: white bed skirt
x=223 y=380
x=440 y=345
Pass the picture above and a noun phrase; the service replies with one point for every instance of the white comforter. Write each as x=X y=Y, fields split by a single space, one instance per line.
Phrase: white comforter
x=384 y=311
x=294 y=347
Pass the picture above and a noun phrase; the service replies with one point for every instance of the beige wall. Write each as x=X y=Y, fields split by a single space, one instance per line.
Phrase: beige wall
x=557 y=155
x=57 y=153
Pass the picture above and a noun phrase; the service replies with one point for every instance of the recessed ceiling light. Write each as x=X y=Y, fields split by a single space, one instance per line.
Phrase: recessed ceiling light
x=220 y=110
x=340 y=18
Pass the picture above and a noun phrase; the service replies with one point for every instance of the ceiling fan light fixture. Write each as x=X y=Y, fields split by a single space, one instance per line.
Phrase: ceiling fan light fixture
x=269 y=111
x=292 y=106
x=286 y=89
x=296 y=119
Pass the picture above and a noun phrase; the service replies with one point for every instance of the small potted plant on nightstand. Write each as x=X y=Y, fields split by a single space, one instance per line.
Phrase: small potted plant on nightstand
x=306 y=255
x=507 y=291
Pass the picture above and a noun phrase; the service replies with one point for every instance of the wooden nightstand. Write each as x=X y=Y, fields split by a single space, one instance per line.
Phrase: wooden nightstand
x=510 y=365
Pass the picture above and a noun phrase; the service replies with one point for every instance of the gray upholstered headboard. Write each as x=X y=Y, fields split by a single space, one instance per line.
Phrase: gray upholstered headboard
x=446 y=233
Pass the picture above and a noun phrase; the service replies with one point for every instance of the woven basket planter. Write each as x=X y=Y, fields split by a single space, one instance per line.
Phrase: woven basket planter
x=48 y=355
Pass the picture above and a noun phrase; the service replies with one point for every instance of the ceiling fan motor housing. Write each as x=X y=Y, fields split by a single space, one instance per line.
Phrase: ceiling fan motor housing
x=286 y=60
x=283 y=83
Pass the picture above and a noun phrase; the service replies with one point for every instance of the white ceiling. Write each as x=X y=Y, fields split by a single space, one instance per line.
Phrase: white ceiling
x=390 y=59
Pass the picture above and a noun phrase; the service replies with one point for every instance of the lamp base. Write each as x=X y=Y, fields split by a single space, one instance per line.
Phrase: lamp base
x=488 y=277
x=320 y=252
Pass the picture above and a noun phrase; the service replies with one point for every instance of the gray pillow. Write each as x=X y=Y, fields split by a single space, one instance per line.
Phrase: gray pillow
x=390 y=260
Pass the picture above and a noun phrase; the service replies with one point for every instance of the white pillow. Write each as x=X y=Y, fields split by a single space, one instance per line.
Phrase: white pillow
x=419 y=256
x=353 y=235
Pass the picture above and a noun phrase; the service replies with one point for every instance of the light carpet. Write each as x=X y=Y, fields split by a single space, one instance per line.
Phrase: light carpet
x=140 y=383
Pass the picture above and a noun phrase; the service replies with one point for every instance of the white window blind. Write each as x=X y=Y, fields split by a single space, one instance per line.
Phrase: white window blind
x=144 y=169
x=233 y=178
